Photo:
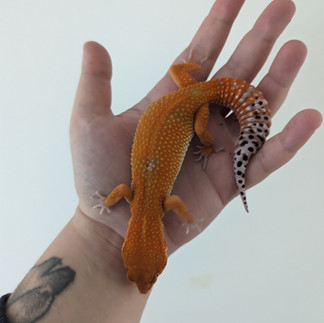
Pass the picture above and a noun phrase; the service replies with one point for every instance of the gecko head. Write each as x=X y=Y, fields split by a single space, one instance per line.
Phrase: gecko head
x=144 y=279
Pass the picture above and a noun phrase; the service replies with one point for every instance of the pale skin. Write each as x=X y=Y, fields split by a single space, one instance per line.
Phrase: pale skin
x=101 y=142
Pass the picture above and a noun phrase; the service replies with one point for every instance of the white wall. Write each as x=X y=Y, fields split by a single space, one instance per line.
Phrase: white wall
x=266 y=267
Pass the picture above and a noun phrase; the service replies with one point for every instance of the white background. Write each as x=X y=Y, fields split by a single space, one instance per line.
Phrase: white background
x=264 y=267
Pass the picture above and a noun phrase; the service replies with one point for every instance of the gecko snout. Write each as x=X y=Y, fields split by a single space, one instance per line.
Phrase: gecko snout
x=143 y=279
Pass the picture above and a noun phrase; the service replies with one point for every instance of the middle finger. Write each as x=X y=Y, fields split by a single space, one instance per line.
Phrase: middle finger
x=254 y=48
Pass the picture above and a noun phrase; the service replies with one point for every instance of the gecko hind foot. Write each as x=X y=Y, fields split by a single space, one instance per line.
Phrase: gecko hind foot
x=100 y=202
x=201 y=156
x=203 y=153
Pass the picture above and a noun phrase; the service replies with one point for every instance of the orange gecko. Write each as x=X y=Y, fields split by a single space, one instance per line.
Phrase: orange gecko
x=160 y=144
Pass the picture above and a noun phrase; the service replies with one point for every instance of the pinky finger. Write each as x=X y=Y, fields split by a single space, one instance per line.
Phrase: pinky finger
x=279 y=149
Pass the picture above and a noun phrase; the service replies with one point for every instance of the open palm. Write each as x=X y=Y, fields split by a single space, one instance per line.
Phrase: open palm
x=101 y=142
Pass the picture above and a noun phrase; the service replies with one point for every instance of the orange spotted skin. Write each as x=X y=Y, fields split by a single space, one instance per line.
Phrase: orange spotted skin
x=160 y=144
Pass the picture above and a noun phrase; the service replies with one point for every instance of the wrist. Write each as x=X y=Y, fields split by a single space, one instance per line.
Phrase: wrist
x=101 y=247
x=93 y=288
x=104 y=273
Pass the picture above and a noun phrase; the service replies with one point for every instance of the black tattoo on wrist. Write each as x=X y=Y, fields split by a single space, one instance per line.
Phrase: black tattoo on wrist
x=35 y=295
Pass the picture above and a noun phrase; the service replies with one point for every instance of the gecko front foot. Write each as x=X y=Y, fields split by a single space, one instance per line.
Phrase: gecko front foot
x=195 y=227
x=100 y=203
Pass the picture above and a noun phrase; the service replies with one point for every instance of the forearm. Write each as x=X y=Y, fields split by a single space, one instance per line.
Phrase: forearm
x=79 y=278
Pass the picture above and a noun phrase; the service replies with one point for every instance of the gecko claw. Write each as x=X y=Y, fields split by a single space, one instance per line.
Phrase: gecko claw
x=195 y=227
x=201 y=155
x=100 y=198
x=199 y=158
x=102 y=207
x=204 y=152
x=185 y=61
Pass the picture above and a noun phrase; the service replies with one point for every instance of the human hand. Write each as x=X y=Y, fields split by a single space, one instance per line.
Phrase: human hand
x=101 y=142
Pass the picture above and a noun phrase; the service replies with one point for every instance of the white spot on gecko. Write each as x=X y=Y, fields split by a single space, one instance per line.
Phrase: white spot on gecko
x=246 y=94
x=150 y=166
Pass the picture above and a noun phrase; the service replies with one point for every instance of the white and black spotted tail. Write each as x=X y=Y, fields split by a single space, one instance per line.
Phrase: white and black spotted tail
x=252 y=137
x=254 y=117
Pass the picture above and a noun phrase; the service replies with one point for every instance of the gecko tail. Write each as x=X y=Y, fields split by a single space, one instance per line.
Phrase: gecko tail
x=243 y=197
x=248 y=144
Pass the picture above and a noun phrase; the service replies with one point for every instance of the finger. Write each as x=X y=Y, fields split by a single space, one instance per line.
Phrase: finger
x=211 y=36
x=277 y=82
x=206 y=45
x=285 y=67
x=93 y=95
x=281 y=148
x=254 y=48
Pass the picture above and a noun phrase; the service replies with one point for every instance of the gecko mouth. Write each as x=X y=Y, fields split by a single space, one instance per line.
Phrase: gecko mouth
x=143 y=279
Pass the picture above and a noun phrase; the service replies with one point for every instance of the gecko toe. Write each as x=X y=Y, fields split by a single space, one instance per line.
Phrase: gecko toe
x=99 y=198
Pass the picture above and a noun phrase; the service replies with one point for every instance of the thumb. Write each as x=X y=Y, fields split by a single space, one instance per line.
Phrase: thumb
x=93 y=95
